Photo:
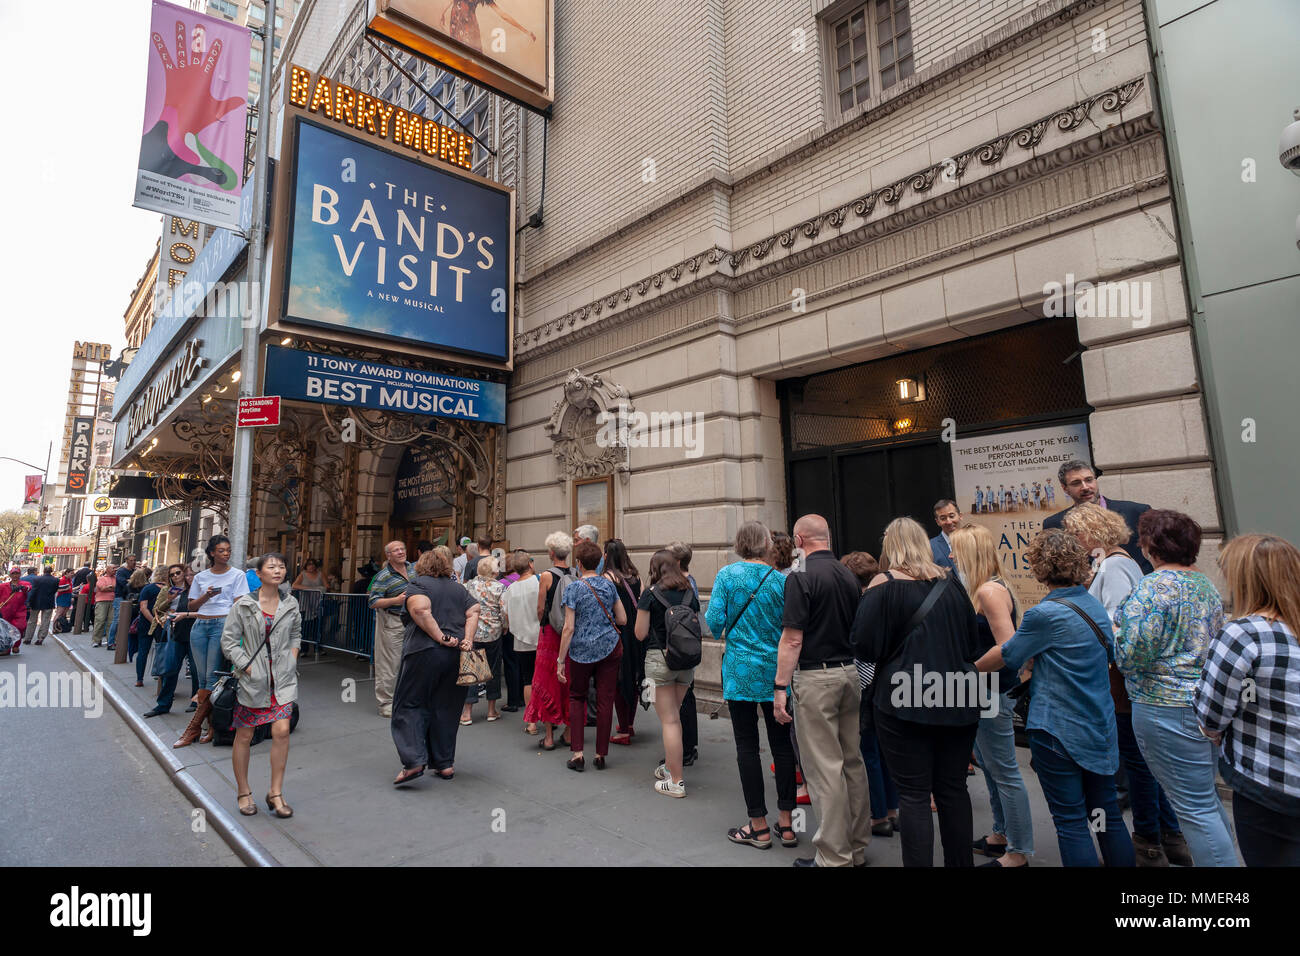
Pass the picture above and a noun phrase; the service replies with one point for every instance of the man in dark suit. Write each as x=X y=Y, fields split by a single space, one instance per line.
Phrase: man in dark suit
x=948 y=517
x=1079 y=482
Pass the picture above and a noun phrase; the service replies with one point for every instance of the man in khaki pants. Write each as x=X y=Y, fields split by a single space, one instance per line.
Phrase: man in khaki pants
x=820 y=602
x=386 y=595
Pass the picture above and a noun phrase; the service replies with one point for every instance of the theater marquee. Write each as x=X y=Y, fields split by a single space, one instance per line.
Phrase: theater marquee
x=383 y=236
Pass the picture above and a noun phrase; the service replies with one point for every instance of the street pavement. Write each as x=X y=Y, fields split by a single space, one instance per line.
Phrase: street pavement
x=509 y=804
x=84 y=791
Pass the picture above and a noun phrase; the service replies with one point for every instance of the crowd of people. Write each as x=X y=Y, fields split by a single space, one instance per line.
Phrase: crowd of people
x=882 y=682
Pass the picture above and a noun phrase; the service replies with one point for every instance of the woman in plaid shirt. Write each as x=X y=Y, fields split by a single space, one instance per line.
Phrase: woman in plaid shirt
x=1249 y=697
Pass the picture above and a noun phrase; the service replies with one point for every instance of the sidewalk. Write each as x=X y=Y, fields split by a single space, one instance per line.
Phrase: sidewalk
x=347 y=813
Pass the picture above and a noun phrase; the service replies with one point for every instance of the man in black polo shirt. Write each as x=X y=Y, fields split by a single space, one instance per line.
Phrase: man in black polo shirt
x=40 y=605
x=820 y=603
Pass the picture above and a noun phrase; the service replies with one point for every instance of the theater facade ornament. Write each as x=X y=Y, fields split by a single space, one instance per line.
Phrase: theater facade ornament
x=576 y=424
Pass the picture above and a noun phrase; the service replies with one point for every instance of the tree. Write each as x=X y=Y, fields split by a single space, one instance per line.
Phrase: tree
x=16 y=529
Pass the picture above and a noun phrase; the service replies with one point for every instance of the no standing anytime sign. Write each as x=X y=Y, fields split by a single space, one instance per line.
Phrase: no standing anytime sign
x=259 y=410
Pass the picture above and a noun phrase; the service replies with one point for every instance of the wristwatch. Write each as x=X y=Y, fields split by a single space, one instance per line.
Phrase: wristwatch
x=780 y=687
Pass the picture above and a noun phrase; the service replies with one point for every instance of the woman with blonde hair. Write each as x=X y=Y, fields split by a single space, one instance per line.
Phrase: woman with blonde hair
x=912 y=618
x=1012 y=842
x=1248 y=699
x=1157 y=838
x=486 y=589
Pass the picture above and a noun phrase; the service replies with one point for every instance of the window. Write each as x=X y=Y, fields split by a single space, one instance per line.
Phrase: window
x=894 y=41
x=256 y=13
x=223 y=7
x=873 y=39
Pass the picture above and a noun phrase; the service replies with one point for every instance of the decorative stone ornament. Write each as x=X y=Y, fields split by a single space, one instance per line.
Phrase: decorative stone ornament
x=575 y=424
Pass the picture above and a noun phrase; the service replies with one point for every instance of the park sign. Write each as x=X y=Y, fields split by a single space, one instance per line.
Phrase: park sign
x=389 y=242
x=83 y=433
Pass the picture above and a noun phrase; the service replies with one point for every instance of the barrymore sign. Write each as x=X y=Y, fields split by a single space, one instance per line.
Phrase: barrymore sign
x=336 y=380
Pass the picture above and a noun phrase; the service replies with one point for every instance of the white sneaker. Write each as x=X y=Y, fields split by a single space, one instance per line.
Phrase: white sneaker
x=670 y=789
x=661 y=772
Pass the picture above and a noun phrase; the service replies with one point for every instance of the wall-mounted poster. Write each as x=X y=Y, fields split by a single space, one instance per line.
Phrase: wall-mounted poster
x=593 y=503
x=195 y=113
x=503 y=44
x=1007 y=483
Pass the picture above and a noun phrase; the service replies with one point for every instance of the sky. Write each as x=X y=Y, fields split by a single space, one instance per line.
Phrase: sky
x=73 y=247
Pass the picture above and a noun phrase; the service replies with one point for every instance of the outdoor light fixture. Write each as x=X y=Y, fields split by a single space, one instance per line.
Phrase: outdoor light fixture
x=910 y=390
x=286 y=340
x=234 y=376
x=903 y=425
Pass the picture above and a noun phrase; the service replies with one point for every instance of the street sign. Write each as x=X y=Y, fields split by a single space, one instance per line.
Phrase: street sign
x=259 y=410
x=109 y=521
x=36 y=546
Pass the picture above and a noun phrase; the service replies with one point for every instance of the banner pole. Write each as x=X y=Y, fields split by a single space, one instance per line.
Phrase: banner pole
x=241 y=478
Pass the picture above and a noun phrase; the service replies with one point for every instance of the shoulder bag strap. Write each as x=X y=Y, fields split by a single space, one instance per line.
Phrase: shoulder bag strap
x=253 y=656
x=609 y=617
x=745 y=607
x=931 y=599
x=1091 y=623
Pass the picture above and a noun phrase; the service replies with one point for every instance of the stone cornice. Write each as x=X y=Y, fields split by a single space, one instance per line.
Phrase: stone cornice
x=728 y=263
x=1043 y=19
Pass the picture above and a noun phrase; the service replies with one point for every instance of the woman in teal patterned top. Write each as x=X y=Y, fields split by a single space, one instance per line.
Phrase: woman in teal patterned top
x=751 y=629
x=1162 y=633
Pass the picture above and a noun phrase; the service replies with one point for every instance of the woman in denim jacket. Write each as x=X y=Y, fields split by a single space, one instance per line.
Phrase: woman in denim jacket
x=1071 y=722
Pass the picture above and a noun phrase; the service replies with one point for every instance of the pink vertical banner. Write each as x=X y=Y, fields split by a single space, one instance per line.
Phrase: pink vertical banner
x=195 y=112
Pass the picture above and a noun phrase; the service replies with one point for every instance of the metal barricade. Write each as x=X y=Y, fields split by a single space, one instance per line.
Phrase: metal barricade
x=337 y=622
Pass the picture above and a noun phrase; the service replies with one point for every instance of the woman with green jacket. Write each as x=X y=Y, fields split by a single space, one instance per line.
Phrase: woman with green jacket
x=261 y=637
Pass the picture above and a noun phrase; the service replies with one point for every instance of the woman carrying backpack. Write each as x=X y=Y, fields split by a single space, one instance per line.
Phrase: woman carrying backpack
x=668 y=588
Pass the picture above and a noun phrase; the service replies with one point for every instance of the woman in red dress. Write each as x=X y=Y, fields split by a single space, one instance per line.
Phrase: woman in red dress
x=549 y=703
x=262 y=637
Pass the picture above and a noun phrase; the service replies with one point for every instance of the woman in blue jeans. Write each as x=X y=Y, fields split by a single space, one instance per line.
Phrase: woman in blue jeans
x=211 y=596
x=1071 y=722
x=1163 y=632
x=1012 y=842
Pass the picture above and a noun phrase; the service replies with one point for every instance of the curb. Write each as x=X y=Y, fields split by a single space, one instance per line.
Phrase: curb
x=252 y=852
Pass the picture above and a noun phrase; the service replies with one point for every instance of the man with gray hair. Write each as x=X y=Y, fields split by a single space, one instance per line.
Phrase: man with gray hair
x=1079 y=482
x=386 y=597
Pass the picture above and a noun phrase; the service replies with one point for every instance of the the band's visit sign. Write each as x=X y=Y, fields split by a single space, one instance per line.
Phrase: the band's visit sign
x=340 y=380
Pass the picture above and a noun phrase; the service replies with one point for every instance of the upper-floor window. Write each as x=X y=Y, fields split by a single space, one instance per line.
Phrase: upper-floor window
x=223 y=7
x=870 y=50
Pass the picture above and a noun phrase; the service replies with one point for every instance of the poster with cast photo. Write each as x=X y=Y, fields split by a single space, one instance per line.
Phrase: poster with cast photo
x=1007 y=483
x=195 y=113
